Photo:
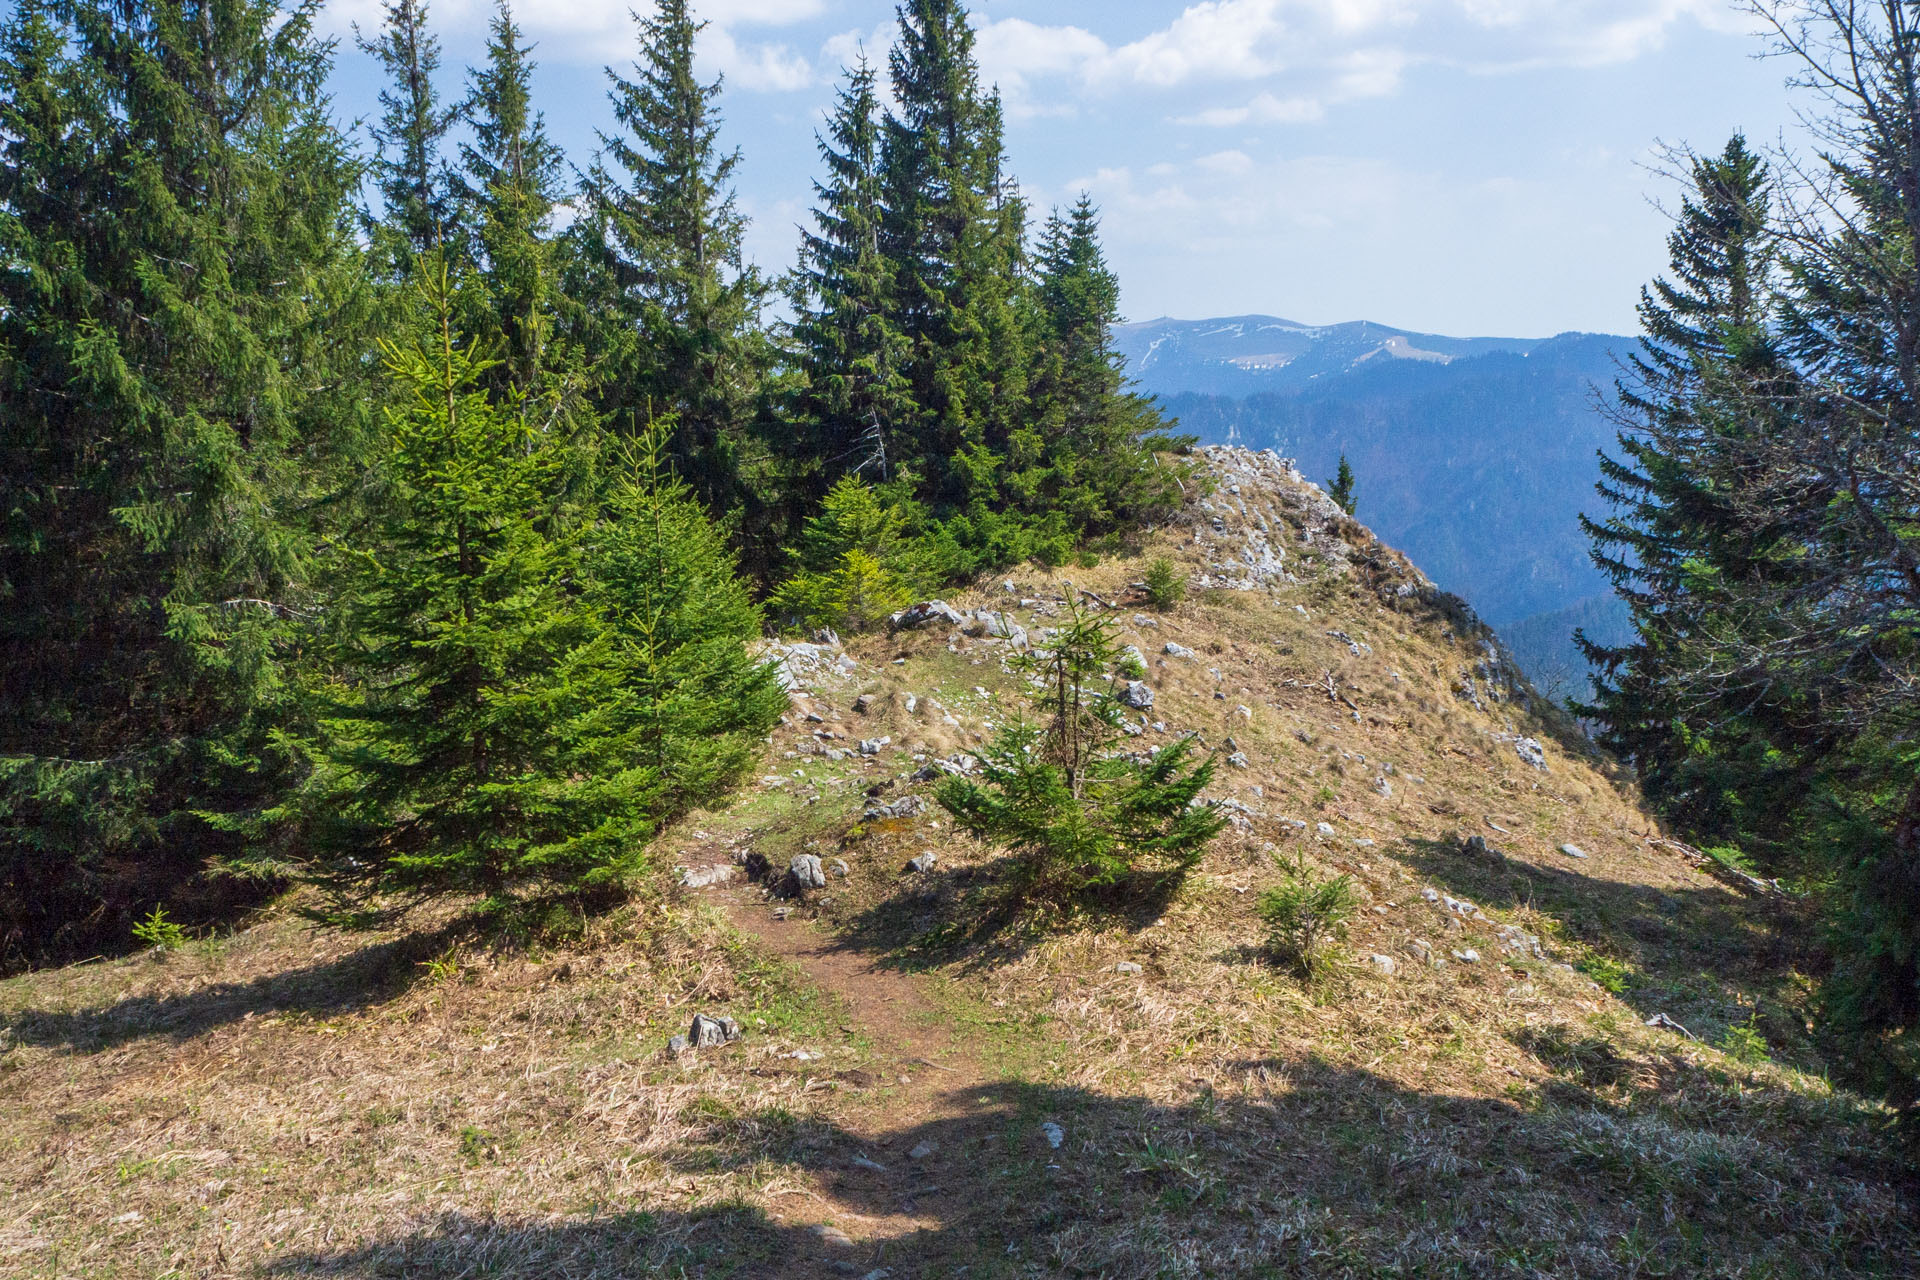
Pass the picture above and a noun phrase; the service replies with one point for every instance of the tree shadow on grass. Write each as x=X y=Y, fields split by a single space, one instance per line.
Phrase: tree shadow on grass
x=1314 y=1169
x=983 y=917
x=1707 y=953
x=362 y=978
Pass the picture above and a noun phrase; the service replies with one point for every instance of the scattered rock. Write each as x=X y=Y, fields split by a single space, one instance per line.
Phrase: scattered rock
x=707 y=1032
x=1238 y=760
x=922 y=864
x=704 y=877
x=1128 y=966
x=833 y=1236
x=1179 y=651
x=1468 y=956
x=913 y=704
x=1002 y=627
x=1384 y=787
x=1453 y=906
x=904 y=807
x=1517 y=941
x=805 y=872
x=922 y=1151
x=1573 y=851
x=1324 y=828
x=864 y=703
x=1476 y=847
x=1054 y=1133
x=1530 y=750
x=839 y=868
x=921 y=614
x=1385 y=964
x=1137 y=695
x=874 y=746
x=1245 y=713
x=1354 y=647
x=677 y=1045
x=861 y=1162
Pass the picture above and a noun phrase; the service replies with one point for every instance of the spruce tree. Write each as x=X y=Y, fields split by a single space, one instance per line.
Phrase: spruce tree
x=1708 y=377
x=855 y=562
x=479 y=743
x=181 y=311
x=1078 y=813
x=852 y=355
x=953 y=236
x=1086 y=459
x=667 y=585
x=1340 y=488
x=512 y=179
x=679 y=335
x=408 y=168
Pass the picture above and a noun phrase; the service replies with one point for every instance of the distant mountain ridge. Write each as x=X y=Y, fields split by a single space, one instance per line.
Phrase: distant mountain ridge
x=1248 y=355
x=1475 y=456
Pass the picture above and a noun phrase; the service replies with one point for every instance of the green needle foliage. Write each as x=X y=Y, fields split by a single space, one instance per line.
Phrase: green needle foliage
x=1340 y=488
x=1305 y=912
x=855 y=563
x=1166 y=585
x=1077 y=813
x=662 y=576
x=674 y=308
x=482 y=741
x=182 y=333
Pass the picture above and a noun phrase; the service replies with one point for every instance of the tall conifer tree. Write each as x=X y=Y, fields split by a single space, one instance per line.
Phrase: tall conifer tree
x=1708 y=377
x=851 y=351
x=680 y=335
x=409 y=167
x=512 y=175
x=953 y=235
x=1085 y=460
x=478 y=745
x=180 y=326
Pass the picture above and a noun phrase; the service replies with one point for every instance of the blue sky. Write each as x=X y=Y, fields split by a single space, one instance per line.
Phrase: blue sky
x=1457 y=166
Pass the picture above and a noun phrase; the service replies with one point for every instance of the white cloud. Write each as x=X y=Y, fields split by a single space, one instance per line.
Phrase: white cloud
x=602 y=32
x=1312 y=54
x=1264 y=109
x=1227 y=162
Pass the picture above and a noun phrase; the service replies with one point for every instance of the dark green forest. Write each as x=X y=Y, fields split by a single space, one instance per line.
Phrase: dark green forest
x=368 y=522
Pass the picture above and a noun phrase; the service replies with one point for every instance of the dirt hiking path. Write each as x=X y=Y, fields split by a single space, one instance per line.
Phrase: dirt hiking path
x=893 y=1190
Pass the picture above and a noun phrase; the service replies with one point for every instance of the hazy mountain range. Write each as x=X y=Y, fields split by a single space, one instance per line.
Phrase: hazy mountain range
x=1475 y=456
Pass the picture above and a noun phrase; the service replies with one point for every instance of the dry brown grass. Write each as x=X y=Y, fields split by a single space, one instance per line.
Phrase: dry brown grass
x=290 y=1102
